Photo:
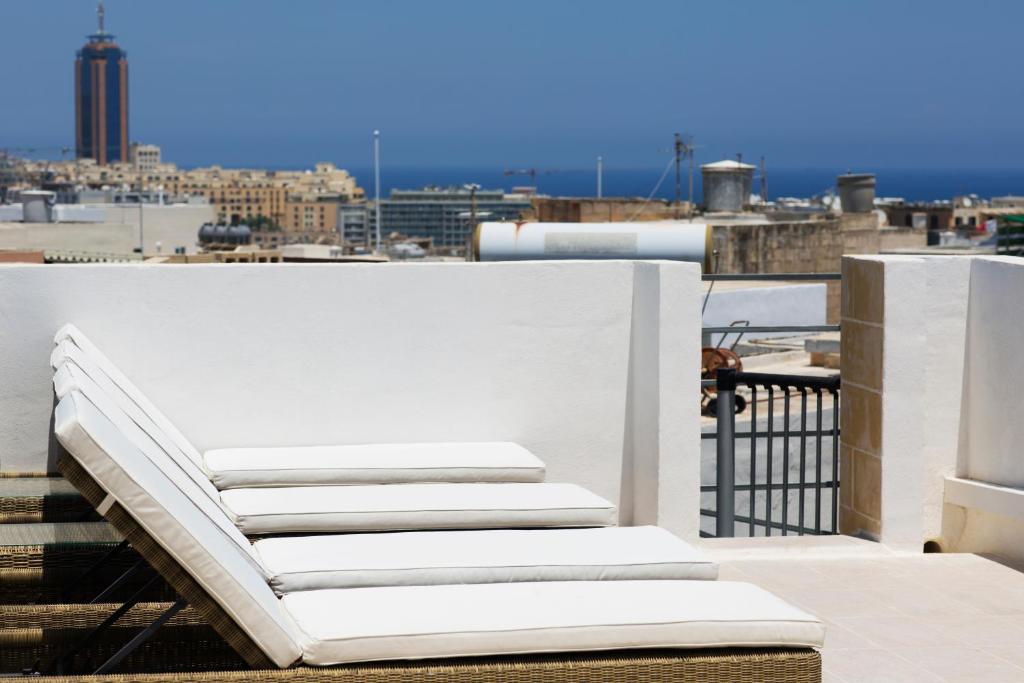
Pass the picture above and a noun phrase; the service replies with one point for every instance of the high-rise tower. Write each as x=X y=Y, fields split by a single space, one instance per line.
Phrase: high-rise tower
x=101 y=98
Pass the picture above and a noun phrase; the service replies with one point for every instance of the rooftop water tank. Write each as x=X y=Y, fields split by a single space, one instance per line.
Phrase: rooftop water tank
x=524 y=241
x=857 y=192
x=37 y=206
x=727 y=185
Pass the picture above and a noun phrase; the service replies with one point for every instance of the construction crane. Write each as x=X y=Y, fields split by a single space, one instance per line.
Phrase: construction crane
x=532 y=172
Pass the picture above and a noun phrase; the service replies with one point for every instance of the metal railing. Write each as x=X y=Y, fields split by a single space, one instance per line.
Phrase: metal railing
x=786 y=494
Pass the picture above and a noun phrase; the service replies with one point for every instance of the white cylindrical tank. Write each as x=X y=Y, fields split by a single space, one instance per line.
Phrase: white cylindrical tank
x=727 y=185
x=37 y=206
x=857 y=192
x=524 y=241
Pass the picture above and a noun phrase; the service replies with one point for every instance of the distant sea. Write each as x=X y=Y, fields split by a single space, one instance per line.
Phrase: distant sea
x=911 y=184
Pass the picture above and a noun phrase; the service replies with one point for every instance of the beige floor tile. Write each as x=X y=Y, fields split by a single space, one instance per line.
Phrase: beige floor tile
x=962 y=665
x=828 y=676
x=875 y=666
x=1014 y=655
x=838 y=637
x=900 y=631
x=911 y=599
x=728 y=572
x=984 y=632
x=835 y=604
x=990 y=597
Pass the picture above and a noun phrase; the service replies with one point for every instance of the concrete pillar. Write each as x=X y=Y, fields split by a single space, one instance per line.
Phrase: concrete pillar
x=882 y=414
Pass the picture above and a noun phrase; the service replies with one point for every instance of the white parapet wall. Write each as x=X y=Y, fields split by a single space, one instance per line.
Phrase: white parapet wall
x=931 y=432
x=593 y=366
x=984 y=509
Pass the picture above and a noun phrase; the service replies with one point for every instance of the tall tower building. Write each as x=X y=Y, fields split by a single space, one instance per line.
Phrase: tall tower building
x=101 y=98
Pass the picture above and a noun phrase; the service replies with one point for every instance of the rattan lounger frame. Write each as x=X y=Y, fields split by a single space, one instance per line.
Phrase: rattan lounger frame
x=802 y=665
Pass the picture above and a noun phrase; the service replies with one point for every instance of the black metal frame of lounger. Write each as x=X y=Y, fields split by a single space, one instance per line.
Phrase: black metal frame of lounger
x=787 y=665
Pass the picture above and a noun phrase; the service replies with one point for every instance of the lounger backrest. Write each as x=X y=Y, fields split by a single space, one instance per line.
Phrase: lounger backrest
x=70 y=377
x=67 y=353
x=177 y=525
x=75 y=336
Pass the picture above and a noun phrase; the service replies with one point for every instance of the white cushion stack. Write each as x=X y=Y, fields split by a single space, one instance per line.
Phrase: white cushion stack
x=411 y=594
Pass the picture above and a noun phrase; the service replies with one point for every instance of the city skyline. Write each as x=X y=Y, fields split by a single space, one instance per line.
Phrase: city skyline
x=540 y=86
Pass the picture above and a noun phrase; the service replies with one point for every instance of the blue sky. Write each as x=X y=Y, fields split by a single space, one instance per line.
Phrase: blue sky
x=873 y=83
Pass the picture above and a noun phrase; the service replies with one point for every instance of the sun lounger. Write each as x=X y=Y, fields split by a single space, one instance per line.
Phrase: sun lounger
x=318 y=628
x=381 y=559
x=500 y=556
x=296 y=466
x=332 y=509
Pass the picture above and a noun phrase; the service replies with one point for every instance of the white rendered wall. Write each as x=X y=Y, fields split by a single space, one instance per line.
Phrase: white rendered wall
x=993 y=443
x=941 y=395
x=903 y=424
x=295 y=354
x=984 y=509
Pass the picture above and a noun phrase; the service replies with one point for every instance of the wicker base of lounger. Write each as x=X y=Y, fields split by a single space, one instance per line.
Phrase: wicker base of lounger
x=31 y=497
x=32 y=509
x=42 y=574
x=673 y=666
x=72 y=616
x=38 y=633
x=177 y=649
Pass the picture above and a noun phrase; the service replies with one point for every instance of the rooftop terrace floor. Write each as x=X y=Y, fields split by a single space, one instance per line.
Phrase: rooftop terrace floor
x=893 y=617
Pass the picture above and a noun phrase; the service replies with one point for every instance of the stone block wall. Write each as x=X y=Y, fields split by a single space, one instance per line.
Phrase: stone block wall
x=860 y=508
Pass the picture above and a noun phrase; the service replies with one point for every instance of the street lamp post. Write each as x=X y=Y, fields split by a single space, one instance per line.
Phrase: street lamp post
x=142 y=229
x=472 y=187
x=376 y=182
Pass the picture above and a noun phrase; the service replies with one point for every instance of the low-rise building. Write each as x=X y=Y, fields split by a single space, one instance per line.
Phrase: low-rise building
x=445 y=215
x=145 y=158
x=237 y=195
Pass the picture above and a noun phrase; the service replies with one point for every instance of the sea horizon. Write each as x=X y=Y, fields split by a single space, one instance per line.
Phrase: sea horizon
x=911 y=184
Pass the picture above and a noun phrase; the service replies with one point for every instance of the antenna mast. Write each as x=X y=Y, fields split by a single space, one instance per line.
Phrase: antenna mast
x=100 y=13
x=764 y=183
x=679 y=147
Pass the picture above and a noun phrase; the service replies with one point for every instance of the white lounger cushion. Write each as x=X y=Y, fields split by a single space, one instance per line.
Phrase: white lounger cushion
x=372 y=464
x=70 y=378
x=226 y=573
x=418 y=558
x=306 y=466
x=414 y=622
x=69 y=334
x=414 y=506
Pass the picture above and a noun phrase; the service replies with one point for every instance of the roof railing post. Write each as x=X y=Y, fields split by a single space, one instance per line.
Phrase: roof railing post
x=725 y=491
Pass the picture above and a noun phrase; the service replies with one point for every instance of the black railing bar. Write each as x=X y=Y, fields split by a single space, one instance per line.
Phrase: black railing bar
x=754 y=277
x=775 y=525
x=762 y=379
x=835 y=461
x=711 y=488
x=790 y=384
x=803 y=459
x=768 y=461
x=785 y=464
x=753 y=453
x=795 y=329
x=817 y=465
x=763 y=435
